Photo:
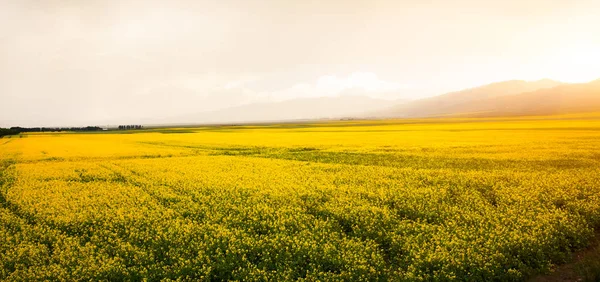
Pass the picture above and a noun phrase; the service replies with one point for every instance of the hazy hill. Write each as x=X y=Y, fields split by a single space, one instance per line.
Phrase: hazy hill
x=447 y=103
x=568 y=98
x=296 y=109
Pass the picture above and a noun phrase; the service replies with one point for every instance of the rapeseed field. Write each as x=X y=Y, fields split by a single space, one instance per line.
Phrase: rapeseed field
x=393 y=200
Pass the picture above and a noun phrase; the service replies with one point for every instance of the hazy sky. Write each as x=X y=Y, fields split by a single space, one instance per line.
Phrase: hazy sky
x=86 y=62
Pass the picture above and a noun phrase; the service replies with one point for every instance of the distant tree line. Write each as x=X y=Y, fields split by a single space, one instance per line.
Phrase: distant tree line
x=126 y=127
x=7 y=131
x=17 y=129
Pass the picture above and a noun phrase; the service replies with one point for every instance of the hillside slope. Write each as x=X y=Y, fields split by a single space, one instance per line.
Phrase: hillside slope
x=572 y=98
x=447 y=103
x=296 y=109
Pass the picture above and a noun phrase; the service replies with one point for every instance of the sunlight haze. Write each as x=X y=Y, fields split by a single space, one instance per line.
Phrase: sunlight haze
x=106 y=62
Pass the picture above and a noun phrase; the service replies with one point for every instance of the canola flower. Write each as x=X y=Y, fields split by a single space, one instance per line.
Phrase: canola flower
x=430 y=200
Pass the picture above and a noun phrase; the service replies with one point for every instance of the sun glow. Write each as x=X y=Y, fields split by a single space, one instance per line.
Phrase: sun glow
x=577 y=64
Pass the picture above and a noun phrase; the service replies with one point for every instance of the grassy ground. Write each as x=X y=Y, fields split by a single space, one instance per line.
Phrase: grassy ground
x=414 y=200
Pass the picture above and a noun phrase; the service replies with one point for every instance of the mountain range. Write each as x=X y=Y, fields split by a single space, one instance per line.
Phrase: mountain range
x=346 y=106
x=507 y=98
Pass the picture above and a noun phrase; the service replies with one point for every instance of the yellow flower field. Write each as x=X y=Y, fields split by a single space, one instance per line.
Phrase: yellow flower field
x=393 y=200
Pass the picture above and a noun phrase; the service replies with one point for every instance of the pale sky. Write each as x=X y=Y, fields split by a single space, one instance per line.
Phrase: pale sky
x=67 y=62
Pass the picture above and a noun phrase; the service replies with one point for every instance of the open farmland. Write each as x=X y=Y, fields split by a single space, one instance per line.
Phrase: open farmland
x=414 y=200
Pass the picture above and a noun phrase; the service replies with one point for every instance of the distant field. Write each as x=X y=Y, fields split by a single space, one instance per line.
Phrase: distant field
x=405 y=200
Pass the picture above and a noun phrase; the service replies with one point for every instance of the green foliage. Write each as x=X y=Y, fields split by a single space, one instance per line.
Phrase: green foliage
x=7 y=132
